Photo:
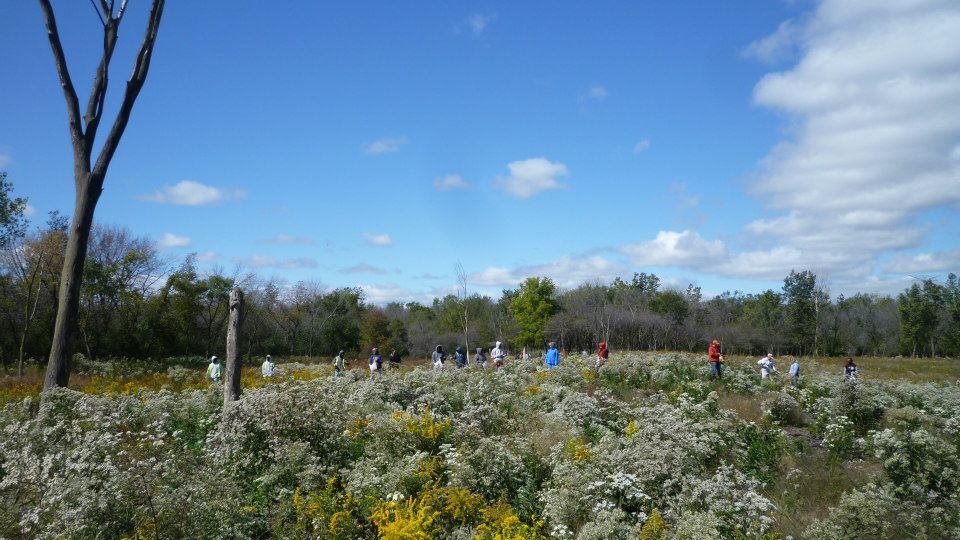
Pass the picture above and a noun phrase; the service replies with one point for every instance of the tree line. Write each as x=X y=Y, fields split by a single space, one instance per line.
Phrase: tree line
x=134 y=302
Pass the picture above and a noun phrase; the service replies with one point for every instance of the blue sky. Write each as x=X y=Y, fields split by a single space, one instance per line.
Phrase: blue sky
x=377 y=144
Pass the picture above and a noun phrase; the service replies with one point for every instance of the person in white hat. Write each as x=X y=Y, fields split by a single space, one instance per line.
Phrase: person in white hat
x=213 y=370
x=268 y=369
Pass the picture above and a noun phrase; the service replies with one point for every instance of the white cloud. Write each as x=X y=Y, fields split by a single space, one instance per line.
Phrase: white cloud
x=531 y=176
x=565 y=271
x=385 y=145
x=776 y=47
x=363 y=268
x=941 y=261
x=190 y=193
x=672 y=248
x=170 y=240
x=29 y=211
x=261 y=261
x=641 y=146
x=286 y=239
x=874 y=128
x=597 y=92
x=5 y=159
x=207 y=256
x=478 y=23
x=450 y=182
x=381 y=240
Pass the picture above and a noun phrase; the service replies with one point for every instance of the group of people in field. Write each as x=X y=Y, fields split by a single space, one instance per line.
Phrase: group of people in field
x=551 y=357
x=767 y=367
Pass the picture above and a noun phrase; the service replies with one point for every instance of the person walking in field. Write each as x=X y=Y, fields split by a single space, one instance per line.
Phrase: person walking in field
x=552 y=356
x=460 y=357
x=394 y=359
x=338 y=364
x=498 y=354
x=795 y=371
x=716 y=359
x=438 y=357
x=766 y=366
x=603 y=355
x=213 y=370
x=376 y=362
x=268 y=368
x=479 y=359
x=851 y=372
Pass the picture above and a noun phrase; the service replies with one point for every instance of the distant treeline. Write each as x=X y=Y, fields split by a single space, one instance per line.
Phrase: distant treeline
x=136 y=303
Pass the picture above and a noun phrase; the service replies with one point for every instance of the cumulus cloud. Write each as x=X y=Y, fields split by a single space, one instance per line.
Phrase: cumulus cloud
x=190 y=193
x=385 y=145
x=170 y=240
x=261 y=261
x=450 y=182
x=29 y=211
x=940 y=261
x=363 y=268
x=671 y=248
x=381 y=240
x=531 y=176
x=208 y=256
x=641 y=146
x=286 y=239
x=776 y=47
x=565 y=271
x=872 y=103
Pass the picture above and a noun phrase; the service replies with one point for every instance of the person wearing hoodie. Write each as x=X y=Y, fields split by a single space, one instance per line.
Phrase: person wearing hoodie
x=795 y=371
x=338 y=361
x=213 y=370
x=268 y=368
x=716 y=359
x=552 y=356
x=603 y=355
x=479 y=359
x=498 y=354
x=438 y=357
x=460 y=357
x=394 y=359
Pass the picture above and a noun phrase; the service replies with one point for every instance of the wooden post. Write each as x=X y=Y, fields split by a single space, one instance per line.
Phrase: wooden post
x=231 y=379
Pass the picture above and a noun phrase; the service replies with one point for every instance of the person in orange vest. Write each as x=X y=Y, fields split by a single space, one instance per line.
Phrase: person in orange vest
x=716 y=359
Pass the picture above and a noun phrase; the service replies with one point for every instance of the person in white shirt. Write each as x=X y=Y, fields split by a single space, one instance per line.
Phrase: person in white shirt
x=213 y=370
x=498 y=354
x=268 y=369
x=766 y=366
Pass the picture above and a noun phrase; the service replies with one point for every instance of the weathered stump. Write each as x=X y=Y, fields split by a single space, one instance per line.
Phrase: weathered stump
x=231 y=379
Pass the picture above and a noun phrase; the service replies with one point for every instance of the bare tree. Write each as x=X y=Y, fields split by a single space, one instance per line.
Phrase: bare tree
x=462 y=281
x=231 y=379
x=89 y=176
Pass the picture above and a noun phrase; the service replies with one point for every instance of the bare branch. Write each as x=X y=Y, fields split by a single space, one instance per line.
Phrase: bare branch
x=81 y=156
x=134 y=84
x=99 y=92
x=99 y=15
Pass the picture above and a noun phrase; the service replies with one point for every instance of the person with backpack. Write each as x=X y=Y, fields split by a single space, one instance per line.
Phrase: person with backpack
x=795 y=371
x=552 y=356
x=213 y=370
x=268 y=368
x=716 y=359
x=338 y=361
x=603 y=355
x=498 y=354
x=460 y=357
x=766 y=366
x=479 y=359
x=438 y=357
x=851 y=372
x=376 y=362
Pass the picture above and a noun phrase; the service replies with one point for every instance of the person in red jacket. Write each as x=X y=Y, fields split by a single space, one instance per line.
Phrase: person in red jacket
x=716 y=359
x=603 y=355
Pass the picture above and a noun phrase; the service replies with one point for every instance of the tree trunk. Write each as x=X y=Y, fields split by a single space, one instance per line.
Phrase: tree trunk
x=68 y=301
x=231 y=379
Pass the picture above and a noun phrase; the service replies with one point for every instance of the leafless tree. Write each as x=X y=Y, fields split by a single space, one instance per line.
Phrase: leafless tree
x=89 y=175
x=462 y=281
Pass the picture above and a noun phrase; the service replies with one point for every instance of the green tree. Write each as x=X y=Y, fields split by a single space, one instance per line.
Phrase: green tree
x=13 y=223
x=799 y=289
x=532 y=307
x=919 y=306
x=671 y=304
x=764 y=312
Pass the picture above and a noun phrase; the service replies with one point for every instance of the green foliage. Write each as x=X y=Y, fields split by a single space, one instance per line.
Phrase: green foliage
x=919 y=309
x=13 y=224
x=798 y=292
x=532 y=307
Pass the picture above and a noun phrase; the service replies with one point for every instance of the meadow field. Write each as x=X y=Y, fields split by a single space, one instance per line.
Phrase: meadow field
x=648 y=446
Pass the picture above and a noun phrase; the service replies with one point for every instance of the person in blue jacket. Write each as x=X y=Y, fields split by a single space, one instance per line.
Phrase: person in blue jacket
x=460 y=357
x=553 y=356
